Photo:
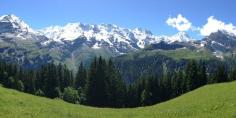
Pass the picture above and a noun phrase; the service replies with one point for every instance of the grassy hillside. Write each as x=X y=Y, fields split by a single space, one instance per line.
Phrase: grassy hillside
x=212 y=101
x=175 y=54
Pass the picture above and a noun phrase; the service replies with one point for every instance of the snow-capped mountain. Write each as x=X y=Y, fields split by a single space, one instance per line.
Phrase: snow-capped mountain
x=180 y=37
x=11 y=23
x=109 y=35
x=220 y=41
x=122 y=40
x=73 y=42
x=12 y=27
x=78 y=42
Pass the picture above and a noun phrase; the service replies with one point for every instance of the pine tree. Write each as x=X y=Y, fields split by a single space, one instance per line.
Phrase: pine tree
x=81 y=77
x=191 y=75
x=181 y=82
x=174 y=85
x=144 y=97
x=101 y=84
x=89 y=90
x=61 y=76
x=116 y=86
x=202 y=74
x=132 y=99
x=30 y=82
x=232 y=75
x=221 y=74
x=166 y=84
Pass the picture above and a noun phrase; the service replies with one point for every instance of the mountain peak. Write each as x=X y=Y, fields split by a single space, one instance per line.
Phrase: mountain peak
x=95 y=35
x=180 y=37
x=221 y=34
x=10 y=17
x=14 y=23
x=225 y=33
x=143 y=31
x=220 y=41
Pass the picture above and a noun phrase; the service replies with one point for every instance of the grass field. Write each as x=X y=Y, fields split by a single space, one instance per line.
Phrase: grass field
x=211 y=101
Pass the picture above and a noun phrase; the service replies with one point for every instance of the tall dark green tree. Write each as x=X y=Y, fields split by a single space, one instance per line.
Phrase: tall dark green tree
x=81 y=77
x=116 y=86
x=30 y=82
x=221 y=74
x=191 y=75
x=90 y=83
x=202 y=74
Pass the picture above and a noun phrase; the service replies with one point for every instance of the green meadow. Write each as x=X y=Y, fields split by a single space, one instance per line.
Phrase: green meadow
x=211 y=101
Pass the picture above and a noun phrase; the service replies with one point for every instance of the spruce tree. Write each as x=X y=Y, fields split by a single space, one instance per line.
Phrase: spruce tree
x=116 y=86
x=191 y=75
x=81 y=77
x=202 y=74
x=221 y=74
x=90 y=83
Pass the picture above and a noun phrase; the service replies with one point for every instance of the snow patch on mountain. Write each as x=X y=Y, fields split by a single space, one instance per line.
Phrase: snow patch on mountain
x=16 y=23
x=110 y=34
x=118 y=39
x=181 y=37
x=96 y=46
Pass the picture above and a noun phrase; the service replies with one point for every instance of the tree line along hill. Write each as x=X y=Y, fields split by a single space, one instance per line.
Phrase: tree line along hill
x=101 y=84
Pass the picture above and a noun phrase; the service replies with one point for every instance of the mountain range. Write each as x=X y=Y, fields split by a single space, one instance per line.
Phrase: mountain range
x=76 y=42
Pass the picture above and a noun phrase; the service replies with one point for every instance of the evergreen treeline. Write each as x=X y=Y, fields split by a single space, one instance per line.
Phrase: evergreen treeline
x=101 y=84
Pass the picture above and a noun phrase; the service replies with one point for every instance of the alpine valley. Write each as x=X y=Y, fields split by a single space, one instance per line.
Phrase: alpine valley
x=131 y=49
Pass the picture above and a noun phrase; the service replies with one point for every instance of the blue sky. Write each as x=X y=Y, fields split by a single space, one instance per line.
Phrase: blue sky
x=147 y=14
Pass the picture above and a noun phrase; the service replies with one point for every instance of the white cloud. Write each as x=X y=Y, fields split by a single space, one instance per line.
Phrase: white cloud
x=180 y=23
x=213 y=25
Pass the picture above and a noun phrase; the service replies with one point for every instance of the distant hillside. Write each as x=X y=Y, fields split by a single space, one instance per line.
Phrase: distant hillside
x=141 y=63
x=76 y=42
x=211 y=101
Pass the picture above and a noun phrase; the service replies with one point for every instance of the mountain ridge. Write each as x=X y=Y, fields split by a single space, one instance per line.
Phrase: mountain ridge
x=78 y=42
x=104 y=34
